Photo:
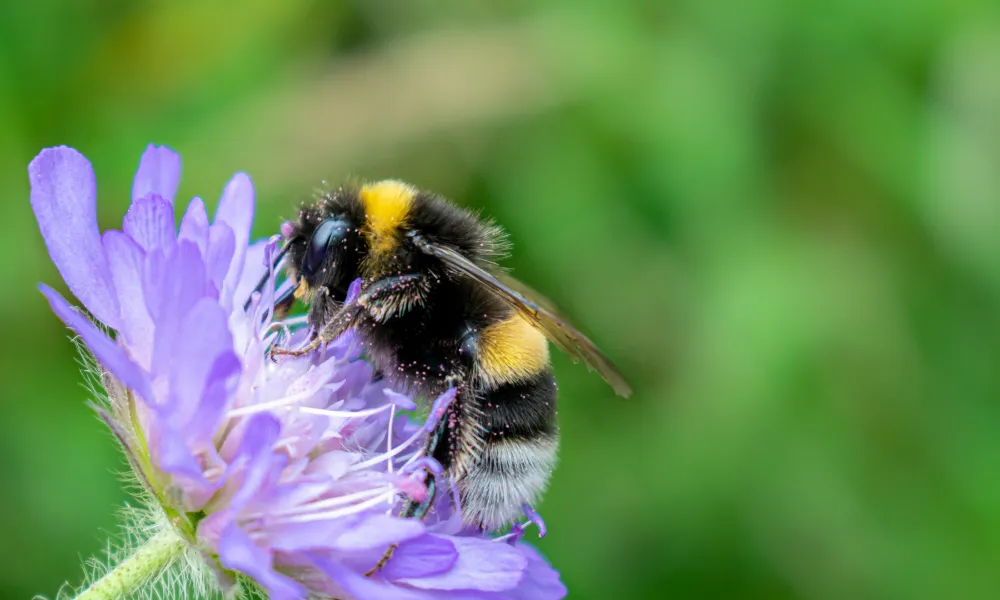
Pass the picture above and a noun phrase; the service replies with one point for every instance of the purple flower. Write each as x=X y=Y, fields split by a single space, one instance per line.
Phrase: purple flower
x=288 y=472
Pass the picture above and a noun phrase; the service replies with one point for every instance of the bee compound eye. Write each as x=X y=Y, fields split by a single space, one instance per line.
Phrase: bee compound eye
x=329 y=233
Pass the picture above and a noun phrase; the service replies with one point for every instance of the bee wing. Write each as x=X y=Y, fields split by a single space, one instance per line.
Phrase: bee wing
x=537 y=310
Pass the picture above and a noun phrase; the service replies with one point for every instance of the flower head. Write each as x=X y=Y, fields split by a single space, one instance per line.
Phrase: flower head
x=290 y=473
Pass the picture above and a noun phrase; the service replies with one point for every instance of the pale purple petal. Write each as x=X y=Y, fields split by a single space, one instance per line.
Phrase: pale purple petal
x=150 y=222
x=64 y=198
x=334 y=463
x=421 y=557
x=401 y=401
x=261 y=464
x=172 y=455
x=297 y=537
x=159 y=173
x=125 y=259
x=377 y=531
x=220 y=253
x=235 y=209
x=253 y=270
x=482 y=565
x=223 y=378
x=204 y=374
x=540 y=581
x=238 y=552
x=104 y=349
x=359 y=587
x=172 y=284
x=194 y=225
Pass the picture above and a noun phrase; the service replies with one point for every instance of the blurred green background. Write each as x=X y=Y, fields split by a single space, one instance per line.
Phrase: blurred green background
x=780 y=218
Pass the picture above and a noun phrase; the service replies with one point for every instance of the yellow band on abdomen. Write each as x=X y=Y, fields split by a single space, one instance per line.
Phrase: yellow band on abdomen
x=511 y=350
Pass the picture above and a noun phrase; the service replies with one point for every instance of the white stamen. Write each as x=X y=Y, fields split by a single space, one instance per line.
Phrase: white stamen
x=334 y=514
x=388 y=437
x=324 y=504
x=345 y=414
x=388 y=455
x=294 y=321
x=285 y=401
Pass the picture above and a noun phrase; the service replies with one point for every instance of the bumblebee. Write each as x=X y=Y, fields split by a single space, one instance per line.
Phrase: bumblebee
x=435 y=311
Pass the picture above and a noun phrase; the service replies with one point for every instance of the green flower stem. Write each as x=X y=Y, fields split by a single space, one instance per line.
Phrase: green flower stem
x=148 y=561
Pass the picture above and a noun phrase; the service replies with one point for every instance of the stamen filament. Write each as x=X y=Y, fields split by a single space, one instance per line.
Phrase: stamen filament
x=334 y=514
x=345 y=414
x=388 y=437
x=292 y=399
x=293 y=321
x=388 y=455
x=338 y=501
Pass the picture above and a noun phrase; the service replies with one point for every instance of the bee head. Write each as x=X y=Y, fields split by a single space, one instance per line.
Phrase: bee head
x=324 y=253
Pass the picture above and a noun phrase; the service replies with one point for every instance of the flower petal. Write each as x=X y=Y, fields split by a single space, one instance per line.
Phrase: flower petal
x=421 y=557
x=204 y=374
x=150 y=222
x=303 y=536
x=377 y=531
x=236 y=209
x=172 y=455
x=194 y=225
x=253 y=269
x=222 y=380
x=221 y=245
x=540 y=581
x=64 y=198
x=125 y=259
x=482 y=565
x=261 y=463
x=238 y=552
x=159 y=173
x=334 y=464
x=172 y=284
x=104 y=349
x=359 y=587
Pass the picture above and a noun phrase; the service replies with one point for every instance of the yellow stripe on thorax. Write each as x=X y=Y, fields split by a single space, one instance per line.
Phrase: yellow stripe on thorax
x=512 y=350
x=387 y=206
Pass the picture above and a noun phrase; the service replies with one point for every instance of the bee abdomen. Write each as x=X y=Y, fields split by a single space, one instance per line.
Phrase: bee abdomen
x=519 y=452
x=524 y=410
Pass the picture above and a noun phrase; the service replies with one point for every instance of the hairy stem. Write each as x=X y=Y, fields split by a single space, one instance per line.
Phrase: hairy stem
x=144 y=565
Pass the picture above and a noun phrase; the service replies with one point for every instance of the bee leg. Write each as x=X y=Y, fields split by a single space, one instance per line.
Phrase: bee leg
x=343 y=320
x=387 y=297
x=310 y=347
x=413 y=509
x=394 y=296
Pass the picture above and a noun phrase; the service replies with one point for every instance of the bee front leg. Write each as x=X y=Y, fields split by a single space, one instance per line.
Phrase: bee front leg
x=341 y=321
